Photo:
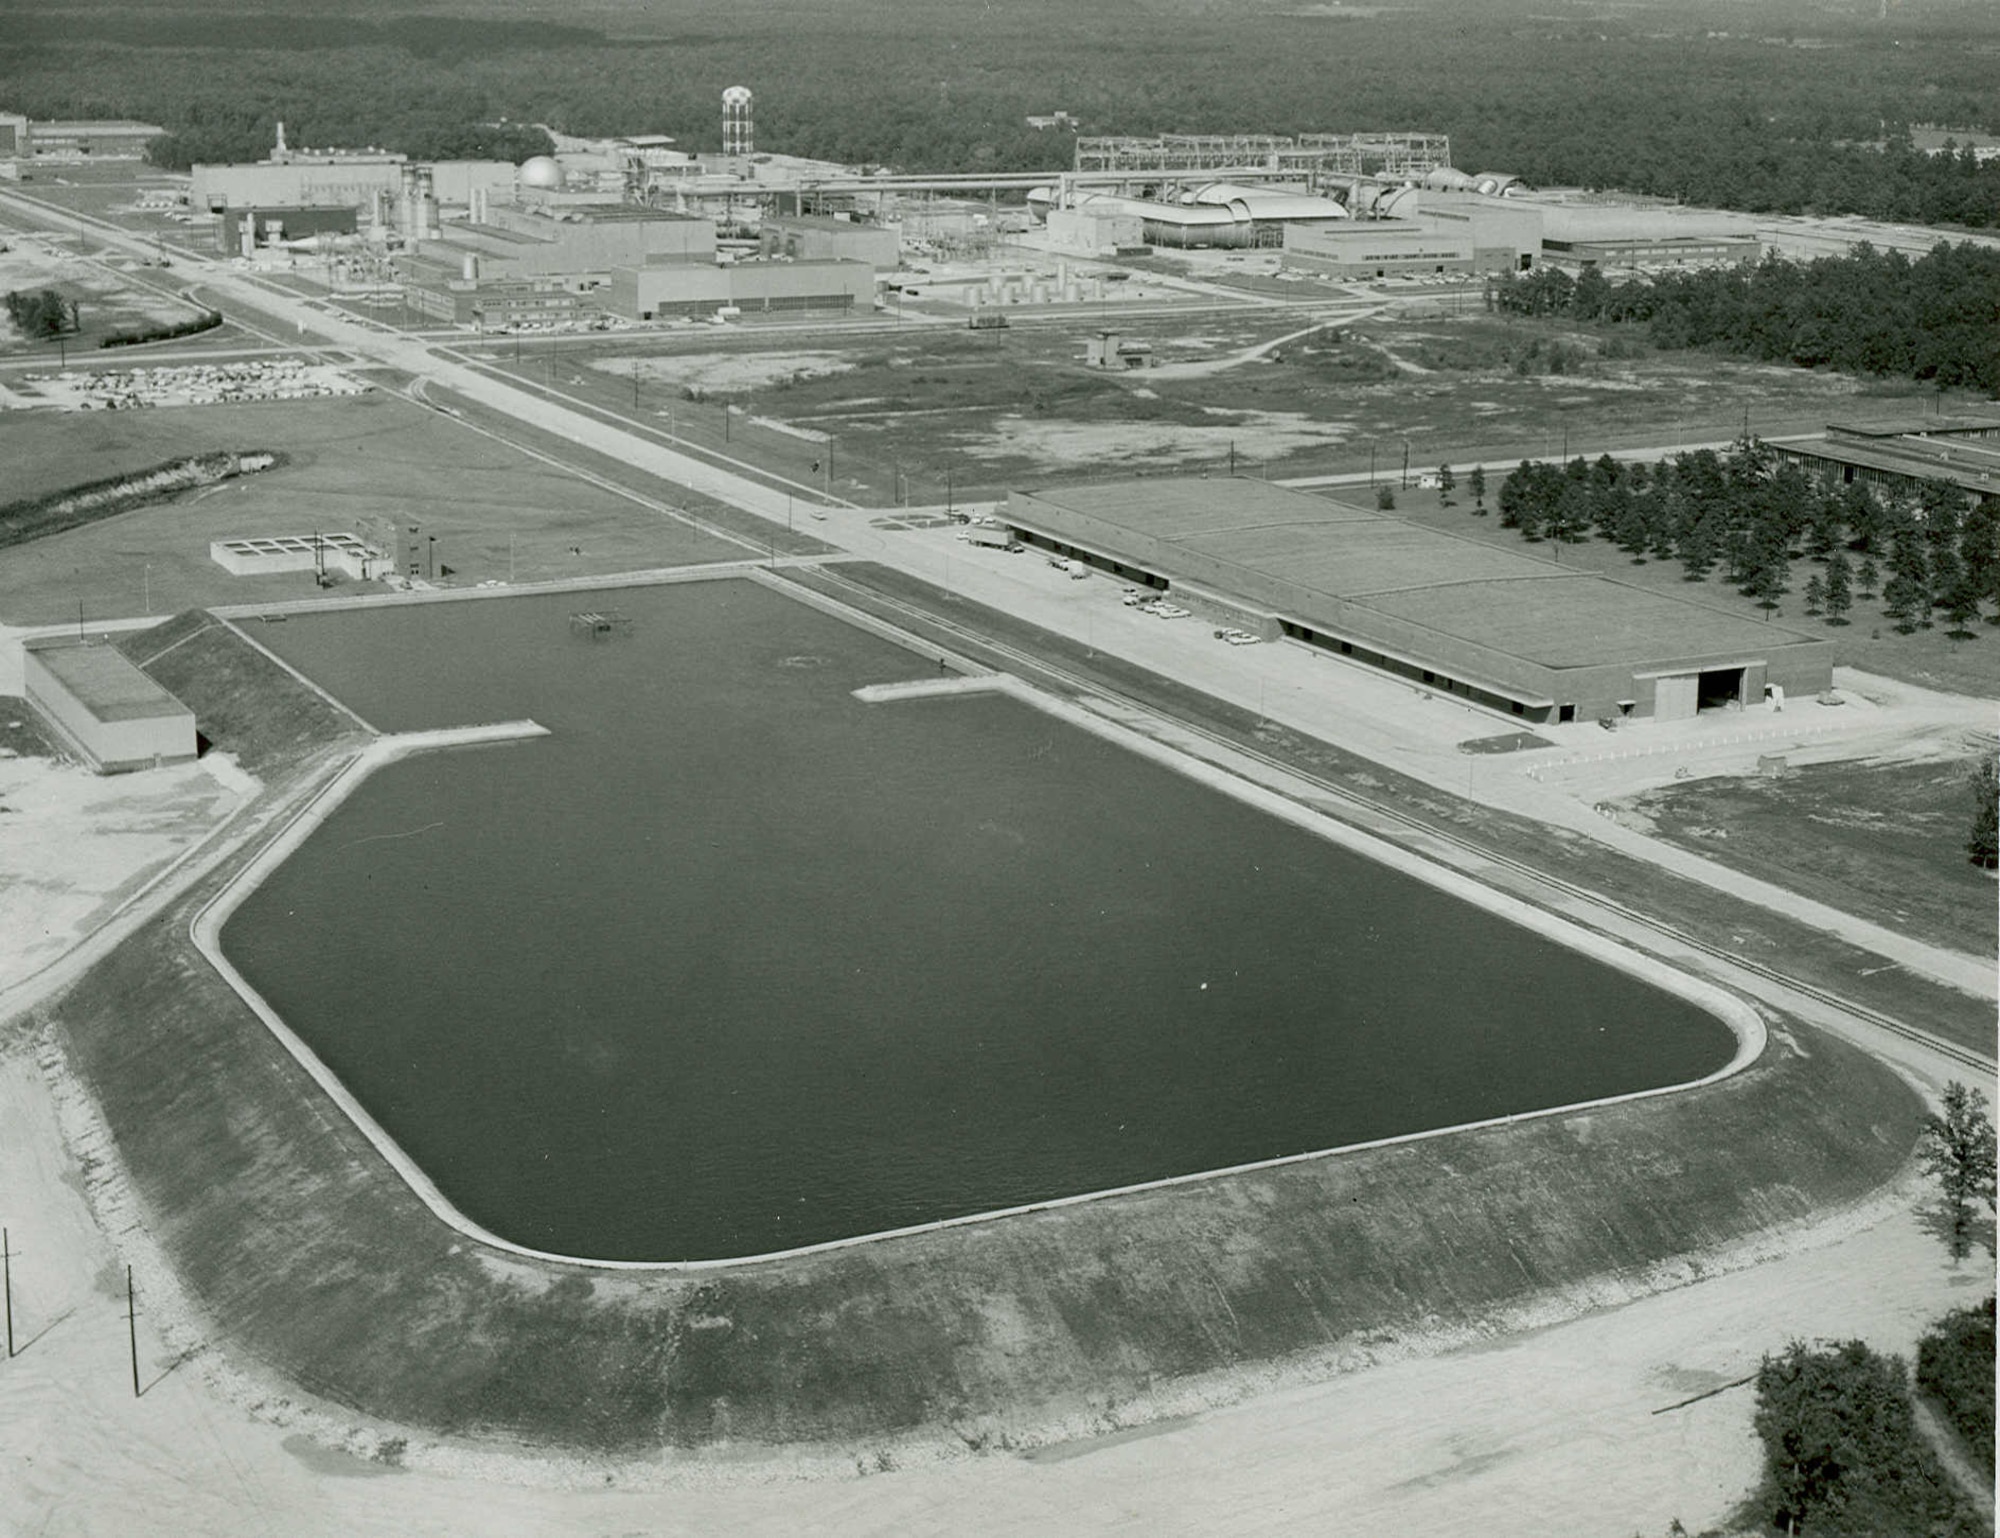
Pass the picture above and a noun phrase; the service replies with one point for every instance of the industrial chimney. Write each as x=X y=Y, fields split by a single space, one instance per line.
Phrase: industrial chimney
x=736 y=135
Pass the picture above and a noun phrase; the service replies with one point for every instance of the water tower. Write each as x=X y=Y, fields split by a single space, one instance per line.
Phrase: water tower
x=736 y=135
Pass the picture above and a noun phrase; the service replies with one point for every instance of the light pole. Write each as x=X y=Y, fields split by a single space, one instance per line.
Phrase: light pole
x=430 y=558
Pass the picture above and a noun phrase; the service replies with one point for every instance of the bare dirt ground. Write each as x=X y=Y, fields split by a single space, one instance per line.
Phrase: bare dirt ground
x=1567 y=1429
x=79 y=846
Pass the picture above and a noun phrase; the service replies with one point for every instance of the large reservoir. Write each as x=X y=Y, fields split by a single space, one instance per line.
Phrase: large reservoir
x=734 y=962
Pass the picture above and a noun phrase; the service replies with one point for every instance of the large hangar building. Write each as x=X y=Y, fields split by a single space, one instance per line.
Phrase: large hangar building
x=1503 y=629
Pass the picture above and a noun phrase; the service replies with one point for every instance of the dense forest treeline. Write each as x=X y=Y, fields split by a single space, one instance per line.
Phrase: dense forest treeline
x=1749 y=517
x=1936 y=318
x=1734 y=121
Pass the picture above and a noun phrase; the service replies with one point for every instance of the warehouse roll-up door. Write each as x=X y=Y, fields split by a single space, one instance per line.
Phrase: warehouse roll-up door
x=1674 y=697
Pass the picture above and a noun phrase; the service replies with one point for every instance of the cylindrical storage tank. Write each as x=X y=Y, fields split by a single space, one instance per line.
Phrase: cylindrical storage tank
x=1447 y=179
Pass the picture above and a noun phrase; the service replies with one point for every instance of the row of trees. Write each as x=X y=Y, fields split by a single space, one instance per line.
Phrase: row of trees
x=1748 y=516
x=40 y=313
x=1870 y=312
x=1667 y=108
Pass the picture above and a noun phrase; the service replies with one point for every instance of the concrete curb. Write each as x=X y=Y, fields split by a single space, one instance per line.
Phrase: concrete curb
x=1743 y=1021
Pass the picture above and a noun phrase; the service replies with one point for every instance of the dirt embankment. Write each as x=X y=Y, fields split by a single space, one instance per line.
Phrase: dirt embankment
x=309 y=1256
x=55 y=511
x=243 y=702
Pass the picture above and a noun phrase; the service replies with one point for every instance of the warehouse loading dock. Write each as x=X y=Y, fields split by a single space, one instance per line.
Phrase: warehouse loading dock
x=1498 y=628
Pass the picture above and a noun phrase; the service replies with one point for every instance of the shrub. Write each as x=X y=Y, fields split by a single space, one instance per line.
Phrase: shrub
x=1955 y=1367
x=1842 y=1454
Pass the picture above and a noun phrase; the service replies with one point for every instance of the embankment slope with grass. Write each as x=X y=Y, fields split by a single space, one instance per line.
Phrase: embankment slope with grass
x=306 y=1254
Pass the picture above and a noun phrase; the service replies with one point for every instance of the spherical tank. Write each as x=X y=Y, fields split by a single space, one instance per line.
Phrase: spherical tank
x=736 y=96
x=541 y=171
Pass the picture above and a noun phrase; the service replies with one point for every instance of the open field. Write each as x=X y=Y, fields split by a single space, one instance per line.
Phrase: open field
x=362 y=466
x=1882 y=838
x=107 y=301
x=1019 y=407
x=1870 y=642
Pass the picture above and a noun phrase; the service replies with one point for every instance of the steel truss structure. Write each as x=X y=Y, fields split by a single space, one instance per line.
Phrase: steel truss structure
x=1309 y=157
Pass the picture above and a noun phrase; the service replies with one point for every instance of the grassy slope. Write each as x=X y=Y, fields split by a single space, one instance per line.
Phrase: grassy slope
x=243 y=702
x=309 y=1253
x=1883 y=840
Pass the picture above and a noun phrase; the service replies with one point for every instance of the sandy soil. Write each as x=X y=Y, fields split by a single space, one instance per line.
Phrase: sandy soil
x=726 y=370
x=75 y=846
x=1071 y=445
x=1560 y=1430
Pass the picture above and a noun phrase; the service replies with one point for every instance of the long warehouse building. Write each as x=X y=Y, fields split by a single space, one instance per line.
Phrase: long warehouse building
x=1500 y=628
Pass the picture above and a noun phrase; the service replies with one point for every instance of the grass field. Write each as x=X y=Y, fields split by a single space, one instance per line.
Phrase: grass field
x=1934 y=658
x=1000 y=408
x=363 y=465
x=1884 y=840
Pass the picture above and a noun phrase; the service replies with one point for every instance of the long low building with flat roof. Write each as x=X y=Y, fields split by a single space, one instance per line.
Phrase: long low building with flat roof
x=103 y=706
x=1501 y=628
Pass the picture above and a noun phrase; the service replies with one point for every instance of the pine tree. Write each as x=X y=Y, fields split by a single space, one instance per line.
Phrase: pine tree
x=1839 y=588
x=1477 y=481
x=1446 y=482
x=1815 y=593
x=1867 y=577
x=1906 y=596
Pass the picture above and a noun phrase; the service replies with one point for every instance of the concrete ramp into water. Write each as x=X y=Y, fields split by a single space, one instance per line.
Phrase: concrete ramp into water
x=923 y=688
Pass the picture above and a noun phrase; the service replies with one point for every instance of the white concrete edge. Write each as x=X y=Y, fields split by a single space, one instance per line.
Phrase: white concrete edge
x=206 y=927
x=658 y=576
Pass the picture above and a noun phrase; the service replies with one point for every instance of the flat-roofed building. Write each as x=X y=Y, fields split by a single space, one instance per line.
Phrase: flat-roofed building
x=805 y=237
x=1500 y=628
x=1964 y=450
x=655 y=293
x=84 y=139
x=104 y=707
x=1378 y=248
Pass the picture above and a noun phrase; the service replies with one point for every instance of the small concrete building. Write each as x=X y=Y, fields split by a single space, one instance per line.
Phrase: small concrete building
x=1500 y=628
x=104 y=707
x=267 y=555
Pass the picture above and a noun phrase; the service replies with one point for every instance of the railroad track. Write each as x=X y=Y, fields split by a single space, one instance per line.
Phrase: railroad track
x=1029 y=663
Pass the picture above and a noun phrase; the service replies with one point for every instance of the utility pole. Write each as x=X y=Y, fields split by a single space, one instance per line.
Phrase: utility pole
x=132 y=1327
x=7 y=1285
x=1406 y=464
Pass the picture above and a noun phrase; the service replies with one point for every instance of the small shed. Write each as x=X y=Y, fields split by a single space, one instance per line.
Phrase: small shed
x=102 y=706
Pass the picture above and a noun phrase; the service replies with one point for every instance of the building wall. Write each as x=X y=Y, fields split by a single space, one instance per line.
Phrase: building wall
x=1368 y=248
x=830 y=240
x=572 y=247
x=1351 y=628
x=649 y=293
x=301 y=184
x=110 y=746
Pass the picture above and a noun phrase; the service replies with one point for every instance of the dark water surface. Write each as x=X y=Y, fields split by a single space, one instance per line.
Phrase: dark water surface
x=734 y=962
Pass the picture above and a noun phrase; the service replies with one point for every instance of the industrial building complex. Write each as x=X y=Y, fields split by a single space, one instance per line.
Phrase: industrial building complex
x=1501 y=629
